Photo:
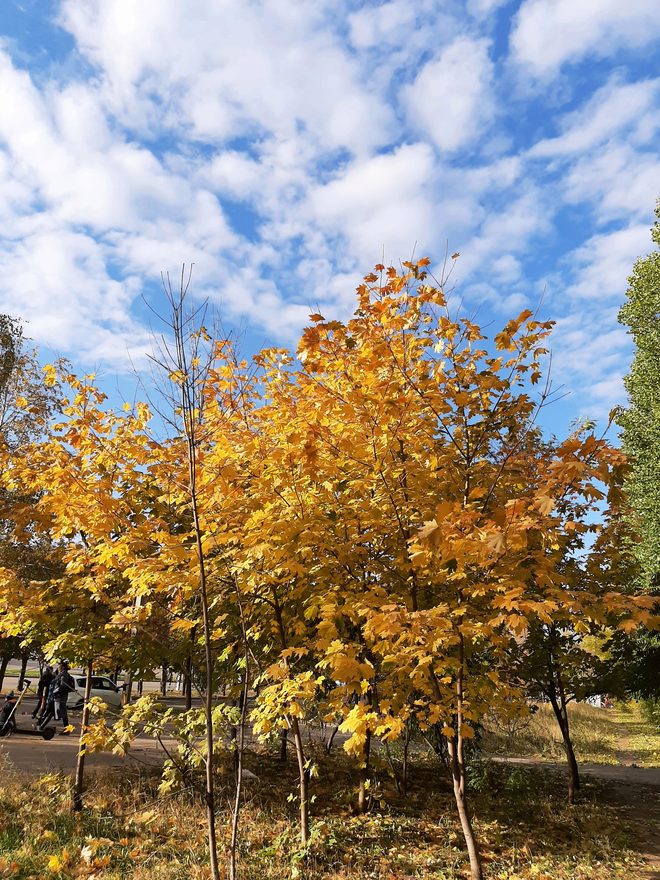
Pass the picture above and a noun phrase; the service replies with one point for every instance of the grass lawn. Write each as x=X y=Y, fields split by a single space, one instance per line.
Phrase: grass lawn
x=621 y=735
x=127 y=831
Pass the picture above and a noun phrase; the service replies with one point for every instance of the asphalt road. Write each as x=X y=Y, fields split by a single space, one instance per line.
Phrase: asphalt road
x=34 y=755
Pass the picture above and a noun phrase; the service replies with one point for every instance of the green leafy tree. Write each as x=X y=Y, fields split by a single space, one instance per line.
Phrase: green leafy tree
x=641 y=440
x=641 y=419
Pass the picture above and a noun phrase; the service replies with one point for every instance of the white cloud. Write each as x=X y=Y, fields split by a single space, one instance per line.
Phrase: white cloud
x=61 y=143
x=614 y=108
x=484 y=8
x=382 y=202
x=494 y=243
x=450 y=98
x=549 y=33
x=619 y=183
x=385 y=24
x=228 y=70
x=58 y=281
x=283 y=146
x=604 y=262
x=590 y=354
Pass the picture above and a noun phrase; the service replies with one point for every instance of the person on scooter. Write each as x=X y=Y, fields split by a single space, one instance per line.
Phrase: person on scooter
x=6 y=713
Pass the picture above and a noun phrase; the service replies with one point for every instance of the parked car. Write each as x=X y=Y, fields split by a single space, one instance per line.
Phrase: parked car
x=102 y=687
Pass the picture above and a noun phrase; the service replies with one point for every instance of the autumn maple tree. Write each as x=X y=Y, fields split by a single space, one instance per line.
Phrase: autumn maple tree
x=372 y=531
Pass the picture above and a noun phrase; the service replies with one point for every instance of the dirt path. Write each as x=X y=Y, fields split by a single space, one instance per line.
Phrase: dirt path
x=639 y=797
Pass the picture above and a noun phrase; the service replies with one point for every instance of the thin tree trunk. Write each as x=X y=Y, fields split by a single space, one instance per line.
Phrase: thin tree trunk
x=458 y=781
x=363 y=799
x=240 y=750
x=566 y=735
x=405 y=762
x=303 y=772
x=390 y=761
x=208 y=702
x=457 y=764
x=559 y=708
x=82 y=748
x=4 y=663
x=331 y=738
x=303 y=781
x=191 y=408
x=128 y=689
x=284 y=741
x=21 y=677
x=457 y=768
x=233 y=845
x=163 y=680
x=187 y=683
x=573 y=772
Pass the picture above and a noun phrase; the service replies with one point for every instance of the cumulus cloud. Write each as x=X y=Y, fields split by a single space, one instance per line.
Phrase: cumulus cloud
x=615 y=108
x=607 y=150
x=450 y=98
x=382 y=202
x=228 y=70
x=619 y=182
x=286 y=147
x=381 y=25
x=550 y=33
x=604 y=262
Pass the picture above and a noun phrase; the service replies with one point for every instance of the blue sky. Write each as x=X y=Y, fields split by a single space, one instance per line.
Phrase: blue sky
x=284 y=146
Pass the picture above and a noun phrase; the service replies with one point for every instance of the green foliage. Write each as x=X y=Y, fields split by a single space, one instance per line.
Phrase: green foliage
x=651 y=709
x=641 y=420
x=638 y=658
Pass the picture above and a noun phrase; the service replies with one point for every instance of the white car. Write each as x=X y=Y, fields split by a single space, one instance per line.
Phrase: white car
x=102 y=687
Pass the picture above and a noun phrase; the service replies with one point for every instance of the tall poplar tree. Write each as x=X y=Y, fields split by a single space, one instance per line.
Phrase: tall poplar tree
x=641 y=420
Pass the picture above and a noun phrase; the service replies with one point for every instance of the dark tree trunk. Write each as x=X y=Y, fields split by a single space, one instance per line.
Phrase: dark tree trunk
x=21 y=677
x=284 y=741
x=187 y=683
x=82 y=748
x=330 y=740
x=363 y=799
x=561 y=714
x=4 y=663
x=405 y=765
x=163 y=680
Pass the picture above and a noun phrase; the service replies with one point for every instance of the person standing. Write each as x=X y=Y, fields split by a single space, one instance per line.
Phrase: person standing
x=62 y=685
x=42 y=691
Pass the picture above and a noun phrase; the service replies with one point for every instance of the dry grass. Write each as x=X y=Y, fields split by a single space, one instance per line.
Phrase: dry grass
x=127 y=831
x=602 y=736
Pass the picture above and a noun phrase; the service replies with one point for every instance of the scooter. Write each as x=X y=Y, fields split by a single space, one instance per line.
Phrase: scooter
x=8 y=717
